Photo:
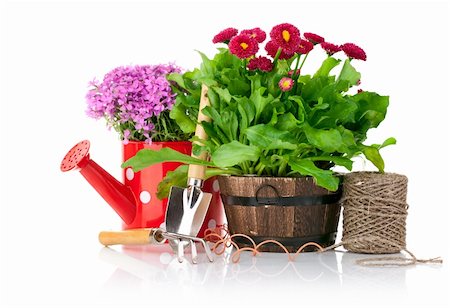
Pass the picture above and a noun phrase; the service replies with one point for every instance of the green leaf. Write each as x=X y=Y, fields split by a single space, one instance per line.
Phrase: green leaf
x=224 y=94
x=230 y=124
x=372 y=154
x=349 y=73
x=234 y=153
x=178 y=78
x=213 y=99
x=178 y=178
x=207 y=67
x=349 y=145
x=260 y=101
x=267 y=137
x=328 y=140
x=338 y=160
x=388 y=141
x=311 y=90
x=323 y=178
x=178 y=113
x=146 y=157
x=372 y=109
x=327 y=65
x=301 y=107
x=238 y=87
x=287 y=122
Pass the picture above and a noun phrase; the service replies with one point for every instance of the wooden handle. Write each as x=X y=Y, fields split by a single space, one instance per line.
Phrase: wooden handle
x=196 y=171
x=127 y=237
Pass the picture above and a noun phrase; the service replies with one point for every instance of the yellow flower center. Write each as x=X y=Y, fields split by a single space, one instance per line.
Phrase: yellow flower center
x=286 y=84
x=244 y=45
x=286 y=35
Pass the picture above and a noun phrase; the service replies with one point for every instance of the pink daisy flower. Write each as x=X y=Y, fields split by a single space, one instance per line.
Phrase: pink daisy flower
x=304 y=47
x=243 y=46
x=256 y=33
x=313 y=38
x=286 y=36
x=261 y=63
x=330 y=48
x=272 y=48
x=225 y=35
x=354 y=52
x=286 y=84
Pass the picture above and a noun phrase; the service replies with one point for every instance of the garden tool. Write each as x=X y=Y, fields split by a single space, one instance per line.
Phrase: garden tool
x=187 y=207
x=153 y=236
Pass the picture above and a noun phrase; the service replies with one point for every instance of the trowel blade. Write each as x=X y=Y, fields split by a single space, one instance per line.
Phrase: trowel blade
x=186 y=210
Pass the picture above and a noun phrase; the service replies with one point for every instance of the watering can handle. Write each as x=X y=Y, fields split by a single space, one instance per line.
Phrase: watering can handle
x=197 y=171
x=129 y=237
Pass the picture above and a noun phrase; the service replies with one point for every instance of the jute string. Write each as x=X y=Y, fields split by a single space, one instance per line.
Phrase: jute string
x=375 y=212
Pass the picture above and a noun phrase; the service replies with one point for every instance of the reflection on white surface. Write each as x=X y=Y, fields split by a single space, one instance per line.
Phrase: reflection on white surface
x=156 y=265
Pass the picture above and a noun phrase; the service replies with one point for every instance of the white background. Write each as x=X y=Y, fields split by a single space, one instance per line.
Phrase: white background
x=49 y=220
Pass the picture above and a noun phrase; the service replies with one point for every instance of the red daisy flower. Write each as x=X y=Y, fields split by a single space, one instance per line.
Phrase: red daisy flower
x=313 y=38
x=253 y=64
x=330 y=48
x=286 y=36
x=256 y=33
x=225 y=36
x=272 y=48
x=261 y=63
x=286 y=84
x=354 y=52
x=304 y=47
x=243 y=46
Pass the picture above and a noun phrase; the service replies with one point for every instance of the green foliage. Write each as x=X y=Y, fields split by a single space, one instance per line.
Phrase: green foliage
x=258 y=129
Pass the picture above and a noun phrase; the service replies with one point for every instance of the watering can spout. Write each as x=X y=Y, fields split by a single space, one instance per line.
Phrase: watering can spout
x=118 y=196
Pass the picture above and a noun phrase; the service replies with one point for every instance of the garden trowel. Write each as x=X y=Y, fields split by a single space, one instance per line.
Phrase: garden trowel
x=187 y=207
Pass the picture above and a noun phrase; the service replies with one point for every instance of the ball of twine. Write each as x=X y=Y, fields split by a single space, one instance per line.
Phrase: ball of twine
x=375 y=211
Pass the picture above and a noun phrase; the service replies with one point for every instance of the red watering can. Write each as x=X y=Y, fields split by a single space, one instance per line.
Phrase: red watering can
x=135 y=202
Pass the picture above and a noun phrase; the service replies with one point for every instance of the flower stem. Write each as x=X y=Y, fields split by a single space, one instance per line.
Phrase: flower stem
x=277 y=55
x=294 y=74
x=303 y=62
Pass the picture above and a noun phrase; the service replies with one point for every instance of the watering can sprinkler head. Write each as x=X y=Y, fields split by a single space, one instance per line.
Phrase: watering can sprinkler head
x=116 y=194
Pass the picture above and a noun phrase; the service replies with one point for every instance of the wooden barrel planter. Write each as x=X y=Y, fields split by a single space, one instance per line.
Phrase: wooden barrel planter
x=293 y=211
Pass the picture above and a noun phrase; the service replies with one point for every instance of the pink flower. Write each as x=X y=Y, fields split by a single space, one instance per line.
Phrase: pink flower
x=330 y=48
x=256 y=33
x=286 y=84
x=354 y=52
x=126 y=135
x=243 y=46
x=261 y=63
x=272 y=48
x=131 y=97
x=313 y=38
x=304 y=47
x=225 y=36
x=286 y=36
